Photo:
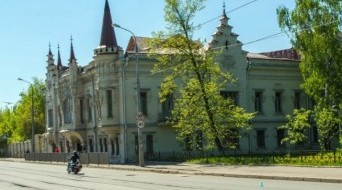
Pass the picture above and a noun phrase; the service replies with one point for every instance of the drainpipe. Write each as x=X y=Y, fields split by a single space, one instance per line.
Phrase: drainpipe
x=123 y=93
x=248 y=68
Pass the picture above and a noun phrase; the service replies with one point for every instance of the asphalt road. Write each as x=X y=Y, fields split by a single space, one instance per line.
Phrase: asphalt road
x=18 y=175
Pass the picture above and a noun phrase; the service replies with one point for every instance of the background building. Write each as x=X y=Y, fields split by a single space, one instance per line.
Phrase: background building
x=92 y=108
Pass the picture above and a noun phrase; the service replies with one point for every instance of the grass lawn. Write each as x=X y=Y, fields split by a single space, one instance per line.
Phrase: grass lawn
x=312 y=159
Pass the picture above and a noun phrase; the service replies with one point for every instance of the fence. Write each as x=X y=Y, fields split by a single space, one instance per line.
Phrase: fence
x=275 y=157
x=85 y=158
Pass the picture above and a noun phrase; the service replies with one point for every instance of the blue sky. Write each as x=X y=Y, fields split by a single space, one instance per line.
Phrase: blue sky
x=29 y=26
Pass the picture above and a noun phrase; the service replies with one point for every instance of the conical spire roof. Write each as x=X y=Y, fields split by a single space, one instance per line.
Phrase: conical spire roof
x=108 y=38
x=224 y=18
x=59 y=61
x=224 y=10
x=50 y=53
x=72 y=54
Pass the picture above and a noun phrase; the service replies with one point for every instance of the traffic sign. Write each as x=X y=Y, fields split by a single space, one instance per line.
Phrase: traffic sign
x=140 y=124
x=140 y=116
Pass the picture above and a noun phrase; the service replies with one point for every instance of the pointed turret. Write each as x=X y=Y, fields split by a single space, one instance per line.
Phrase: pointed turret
x=59 y=61
x=108 y=38
x=50 y=60
x=72 y=54
x=50 y=53
x=224 y=19
x=223 y=37
x=50 y=56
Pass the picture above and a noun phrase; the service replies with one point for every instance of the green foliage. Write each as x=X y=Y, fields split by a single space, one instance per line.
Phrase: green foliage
x=293 y=159
x=200 y=115
x=315 y=28
x=16 y=123
x=327 y=122
x=296 y=126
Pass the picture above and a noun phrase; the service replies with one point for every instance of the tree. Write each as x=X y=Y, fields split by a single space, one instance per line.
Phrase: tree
x=298 y=122
x=327 y=123
x=315 y=28
x=200 y=115
x=16 y=123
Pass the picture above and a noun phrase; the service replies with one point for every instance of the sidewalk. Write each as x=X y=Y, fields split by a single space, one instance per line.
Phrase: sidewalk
x=313 y=174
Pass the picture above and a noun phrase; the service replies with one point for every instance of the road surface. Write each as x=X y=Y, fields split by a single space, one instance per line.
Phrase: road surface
x=19 y=175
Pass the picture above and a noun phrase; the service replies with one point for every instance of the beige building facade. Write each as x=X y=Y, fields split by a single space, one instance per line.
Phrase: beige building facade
x=92 y=108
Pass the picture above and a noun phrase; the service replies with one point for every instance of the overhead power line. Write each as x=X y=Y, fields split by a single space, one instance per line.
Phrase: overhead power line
x=237 y=8
x=276 y=35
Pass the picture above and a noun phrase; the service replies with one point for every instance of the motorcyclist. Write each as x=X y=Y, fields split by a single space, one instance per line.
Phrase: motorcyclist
x=74 y=157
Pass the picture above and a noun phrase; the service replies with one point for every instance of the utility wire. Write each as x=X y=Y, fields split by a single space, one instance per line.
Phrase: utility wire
x=239 y=7
x=273 y=36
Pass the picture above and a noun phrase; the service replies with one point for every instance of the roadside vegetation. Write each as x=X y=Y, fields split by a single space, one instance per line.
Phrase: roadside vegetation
x=16 y=118
x=324 y=158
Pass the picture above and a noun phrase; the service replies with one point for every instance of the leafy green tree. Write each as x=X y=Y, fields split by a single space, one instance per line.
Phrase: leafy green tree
x=297 y=124
x=327 y=124
x=315 y=28
x=200 y=115
x=16 y=123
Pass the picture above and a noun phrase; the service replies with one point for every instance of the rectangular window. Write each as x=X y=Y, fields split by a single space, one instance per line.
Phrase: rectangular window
x=143 y=102
x=117 y=145
x=280 y=136
x=81 y=111
x=232 y=138
x=296 y=101
x=167 y=107
x=50 y=116
x=90 y=116
x=109 y=104
x=67 y=112
x=187 y=142
x=59 y=116
x=258 y=102
x=277 y=102
x=101 y=145
x=112 y=147
x=314 y=134
x=260 y=138
x=105 y=145
x=91 y=145
x=198 y=140
x=149 y=144
x=233 y=95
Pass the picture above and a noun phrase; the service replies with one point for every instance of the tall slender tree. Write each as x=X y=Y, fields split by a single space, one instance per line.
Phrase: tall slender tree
x=315 y=29
x=191 y=75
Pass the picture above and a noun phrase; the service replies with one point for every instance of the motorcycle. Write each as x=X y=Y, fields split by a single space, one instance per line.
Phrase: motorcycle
x=74 y=167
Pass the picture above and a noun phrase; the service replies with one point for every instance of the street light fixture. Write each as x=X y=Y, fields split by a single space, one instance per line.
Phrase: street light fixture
x=140 y=123
x=32 y=115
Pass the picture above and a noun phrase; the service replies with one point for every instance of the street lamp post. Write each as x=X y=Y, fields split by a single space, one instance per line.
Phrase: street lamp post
x=95 y=116
x=139 y=113
x=92 y=78
x=32 y=115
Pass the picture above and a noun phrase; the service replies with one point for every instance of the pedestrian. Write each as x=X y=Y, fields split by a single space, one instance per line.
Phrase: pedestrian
x=57 y=150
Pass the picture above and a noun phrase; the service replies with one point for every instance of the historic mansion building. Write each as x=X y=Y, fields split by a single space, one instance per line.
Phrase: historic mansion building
x=92 y=107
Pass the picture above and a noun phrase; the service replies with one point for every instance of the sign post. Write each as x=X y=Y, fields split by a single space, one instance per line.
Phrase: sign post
x=140 y=125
